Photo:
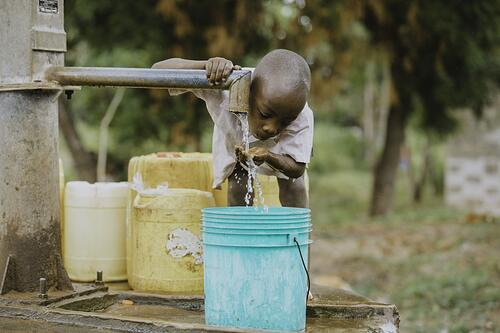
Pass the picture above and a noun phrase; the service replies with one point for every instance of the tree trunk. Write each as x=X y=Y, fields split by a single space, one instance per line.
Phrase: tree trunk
x=386 y=168
x=368 y=113
x=84 y=161
x=426 y=165
x=382 y=109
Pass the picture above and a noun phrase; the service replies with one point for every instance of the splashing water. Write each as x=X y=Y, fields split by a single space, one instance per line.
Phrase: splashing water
x=251 y=167
x=245 y=129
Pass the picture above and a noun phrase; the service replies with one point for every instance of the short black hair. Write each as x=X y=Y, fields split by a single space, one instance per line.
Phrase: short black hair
x=287 y=72
x=288 y=65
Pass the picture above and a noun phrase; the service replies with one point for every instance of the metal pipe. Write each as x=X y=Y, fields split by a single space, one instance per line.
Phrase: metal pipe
x=99 y=280
x=42 y=293
x=238 y=83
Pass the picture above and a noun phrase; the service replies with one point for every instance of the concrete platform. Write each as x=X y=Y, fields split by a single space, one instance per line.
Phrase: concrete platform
x=102 y=310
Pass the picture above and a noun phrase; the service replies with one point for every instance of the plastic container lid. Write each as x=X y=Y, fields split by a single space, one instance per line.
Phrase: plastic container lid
x=98 y=195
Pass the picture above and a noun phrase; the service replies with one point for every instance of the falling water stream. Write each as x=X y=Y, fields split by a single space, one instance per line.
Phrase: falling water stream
x=251 y=167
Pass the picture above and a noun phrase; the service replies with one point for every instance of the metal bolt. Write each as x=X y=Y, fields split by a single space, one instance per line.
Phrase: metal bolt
x=98 y=280
x=43 y=289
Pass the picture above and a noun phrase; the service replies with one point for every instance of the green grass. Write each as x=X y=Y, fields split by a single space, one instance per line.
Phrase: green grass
x=454 y=298
x=453 y=287
x=343 y=197
x=441 y=272
x=340 y=197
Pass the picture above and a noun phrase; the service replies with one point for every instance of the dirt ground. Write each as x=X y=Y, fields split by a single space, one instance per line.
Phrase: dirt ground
x=443 y=276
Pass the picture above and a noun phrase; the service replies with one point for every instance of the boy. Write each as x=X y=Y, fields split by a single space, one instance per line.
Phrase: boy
x=279 y=120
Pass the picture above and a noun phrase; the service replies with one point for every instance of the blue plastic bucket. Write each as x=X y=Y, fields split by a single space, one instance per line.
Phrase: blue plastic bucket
x=254 y=275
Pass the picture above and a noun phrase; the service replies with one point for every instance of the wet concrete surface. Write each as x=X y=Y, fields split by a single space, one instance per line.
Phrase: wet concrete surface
x=147 y=311
x=332 y=310
x=13 y=325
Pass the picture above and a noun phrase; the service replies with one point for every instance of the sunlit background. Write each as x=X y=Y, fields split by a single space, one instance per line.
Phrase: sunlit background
x=405 y=177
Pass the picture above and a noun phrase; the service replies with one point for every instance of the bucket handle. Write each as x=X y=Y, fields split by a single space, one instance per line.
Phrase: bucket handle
x=303 y=264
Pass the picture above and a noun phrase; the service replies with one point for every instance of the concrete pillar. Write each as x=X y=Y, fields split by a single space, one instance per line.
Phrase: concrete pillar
x=29 y=189
x=32 y=37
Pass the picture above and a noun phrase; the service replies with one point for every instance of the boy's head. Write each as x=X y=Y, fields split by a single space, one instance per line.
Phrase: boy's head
x=279 y=90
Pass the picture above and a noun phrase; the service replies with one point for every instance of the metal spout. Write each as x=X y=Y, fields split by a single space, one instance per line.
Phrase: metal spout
x=99 y=280
x=43 y=289
x=239 y=93
x=238 y=83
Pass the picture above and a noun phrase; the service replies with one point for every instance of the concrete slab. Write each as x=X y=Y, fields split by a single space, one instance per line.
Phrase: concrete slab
x=332 y=310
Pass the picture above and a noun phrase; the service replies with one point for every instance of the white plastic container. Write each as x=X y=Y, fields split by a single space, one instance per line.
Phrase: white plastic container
x=94 y=230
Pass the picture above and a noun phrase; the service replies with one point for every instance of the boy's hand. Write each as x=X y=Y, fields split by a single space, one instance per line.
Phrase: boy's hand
x=241 y=154
x=258 y=154
x=218 y=70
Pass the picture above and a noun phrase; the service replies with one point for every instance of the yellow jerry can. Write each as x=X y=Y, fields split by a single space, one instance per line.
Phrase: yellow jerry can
x=270 y=191
x=166 y=250
x=178 y=170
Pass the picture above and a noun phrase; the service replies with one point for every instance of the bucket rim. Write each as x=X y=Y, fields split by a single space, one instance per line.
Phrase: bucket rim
x=281 y=217
x=309 y=225
x=307 y=242
x=298 y=232
x=257 y=221
x=252 y=211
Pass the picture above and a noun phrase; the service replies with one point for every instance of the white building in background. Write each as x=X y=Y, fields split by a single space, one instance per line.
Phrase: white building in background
x=472 y=175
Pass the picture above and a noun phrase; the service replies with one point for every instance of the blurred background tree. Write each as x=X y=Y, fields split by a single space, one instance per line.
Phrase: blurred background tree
x=378 y=68
x=443 y=55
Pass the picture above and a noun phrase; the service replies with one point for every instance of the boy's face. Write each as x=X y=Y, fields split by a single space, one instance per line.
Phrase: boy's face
x=269 y=112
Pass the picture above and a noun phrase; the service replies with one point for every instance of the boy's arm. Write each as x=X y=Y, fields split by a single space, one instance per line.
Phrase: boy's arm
x=178 y=63
x=218 y=69
x=283 y=163
x=286 y=165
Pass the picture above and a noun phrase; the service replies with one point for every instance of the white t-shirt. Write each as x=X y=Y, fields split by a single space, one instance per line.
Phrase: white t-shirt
x=295 y=140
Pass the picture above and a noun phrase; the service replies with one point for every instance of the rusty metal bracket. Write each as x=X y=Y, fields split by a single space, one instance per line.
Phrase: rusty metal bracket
x=37 y=86
x=8 y=282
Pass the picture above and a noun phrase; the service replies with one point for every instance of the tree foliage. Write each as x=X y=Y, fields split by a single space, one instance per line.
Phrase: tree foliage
x=443 y=56
x=447 y=52
x=440 y=56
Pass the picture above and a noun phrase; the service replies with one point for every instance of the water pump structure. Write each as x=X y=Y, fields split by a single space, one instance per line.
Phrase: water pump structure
x=32 y=77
